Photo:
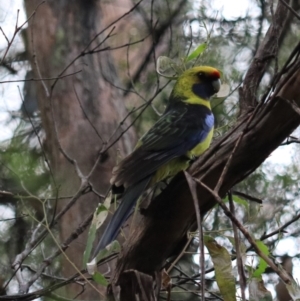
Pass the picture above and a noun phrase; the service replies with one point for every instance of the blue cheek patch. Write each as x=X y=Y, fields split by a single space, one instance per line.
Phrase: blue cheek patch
x=203 y=90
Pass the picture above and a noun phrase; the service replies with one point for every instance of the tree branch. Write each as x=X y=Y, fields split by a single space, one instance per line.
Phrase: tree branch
x=266 y=52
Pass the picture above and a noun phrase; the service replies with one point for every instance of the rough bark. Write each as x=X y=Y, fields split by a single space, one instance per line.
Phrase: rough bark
x=59 y=31
x=267 y=51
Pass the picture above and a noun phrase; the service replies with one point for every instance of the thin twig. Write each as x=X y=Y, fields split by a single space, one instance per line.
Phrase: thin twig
x=247 y=196
x=183 y=251
x=240 y=265
x=293 y=105
x=144 y=106
x=34 y=56
x=86 y=51
x=23 y=287
x=40 y=79
x=226 y=167
x=280 y=229
x=263 y=237
x=291 y=9
x=112 y=23
x=6 y=38
x=61 y=248
x=280 y=272
x=40 y=142
x=17 y=29
x=86 y=116
x=192 y=186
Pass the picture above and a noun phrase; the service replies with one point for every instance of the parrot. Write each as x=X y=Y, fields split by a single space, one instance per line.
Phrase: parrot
x=180 y=135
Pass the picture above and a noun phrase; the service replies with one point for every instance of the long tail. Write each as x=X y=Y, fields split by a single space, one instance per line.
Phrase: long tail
x=130 y=197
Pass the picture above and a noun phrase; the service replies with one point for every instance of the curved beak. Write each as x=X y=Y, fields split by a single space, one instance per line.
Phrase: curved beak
x=216 y=84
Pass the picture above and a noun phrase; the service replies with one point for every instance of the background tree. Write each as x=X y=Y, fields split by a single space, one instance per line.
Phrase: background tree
x=89 y=61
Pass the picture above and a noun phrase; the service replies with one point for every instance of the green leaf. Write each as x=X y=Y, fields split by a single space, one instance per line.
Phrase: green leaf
x=240 y=201
x=237 y=200
x=257 y=290
x=262 y=264
x=197 y=52
x=168 y=68
x=223 y=268
x=101 y=212
x=99 y=217
x=100 y=279
x=113 y=247
x=89 y=244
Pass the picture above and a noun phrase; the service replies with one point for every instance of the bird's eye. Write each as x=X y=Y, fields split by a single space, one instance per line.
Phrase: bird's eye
x=201 y=75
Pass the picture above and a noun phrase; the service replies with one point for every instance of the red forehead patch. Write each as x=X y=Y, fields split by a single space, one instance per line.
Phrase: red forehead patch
x=215 y=74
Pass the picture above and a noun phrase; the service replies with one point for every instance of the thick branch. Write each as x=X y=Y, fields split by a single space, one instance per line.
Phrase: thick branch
x=172 y=213
x=268 y=50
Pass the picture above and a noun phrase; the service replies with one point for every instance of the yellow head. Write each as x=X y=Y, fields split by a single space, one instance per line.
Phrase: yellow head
x=198 y=82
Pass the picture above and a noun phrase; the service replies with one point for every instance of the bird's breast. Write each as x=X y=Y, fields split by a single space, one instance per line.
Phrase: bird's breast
x=200 y=148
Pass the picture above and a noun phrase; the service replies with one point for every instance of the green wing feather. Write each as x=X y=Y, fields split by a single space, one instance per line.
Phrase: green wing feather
x=180 y=129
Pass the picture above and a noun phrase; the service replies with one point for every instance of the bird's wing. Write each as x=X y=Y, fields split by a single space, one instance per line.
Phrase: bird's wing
x=179 y=130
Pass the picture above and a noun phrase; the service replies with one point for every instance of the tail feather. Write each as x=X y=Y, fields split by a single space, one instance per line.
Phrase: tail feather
x=130 y=197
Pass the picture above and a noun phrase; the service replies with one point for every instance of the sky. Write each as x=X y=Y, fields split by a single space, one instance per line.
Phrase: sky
x=9 y=94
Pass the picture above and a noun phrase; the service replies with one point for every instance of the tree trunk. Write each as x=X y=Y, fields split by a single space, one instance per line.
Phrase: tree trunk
x=58 y=32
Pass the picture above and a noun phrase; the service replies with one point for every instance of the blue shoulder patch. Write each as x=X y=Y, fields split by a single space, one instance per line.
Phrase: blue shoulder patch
x=209 y=120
